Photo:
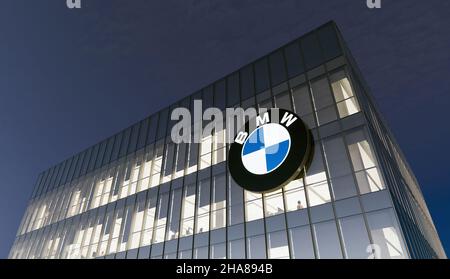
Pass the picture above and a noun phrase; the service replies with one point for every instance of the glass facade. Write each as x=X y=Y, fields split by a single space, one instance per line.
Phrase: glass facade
x=139 y=195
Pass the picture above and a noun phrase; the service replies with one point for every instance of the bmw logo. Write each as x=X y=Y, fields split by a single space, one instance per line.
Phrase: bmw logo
x=270 y=150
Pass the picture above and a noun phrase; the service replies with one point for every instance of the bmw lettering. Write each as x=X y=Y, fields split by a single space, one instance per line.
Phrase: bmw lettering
x=270 y=150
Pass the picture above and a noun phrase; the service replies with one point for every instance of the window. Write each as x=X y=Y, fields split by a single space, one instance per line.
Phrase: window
x=327 y=240
x=203 y=202
x=235 y=203
x=293 y=60
x=116 y=226
x=161 y=219
x=277 y=67
x=364 y=163
x=256 y=247
x=311 y=51
x=253 y=206
x=218 y=204
x=283 y=101
x=340 y=172
x=323 y=101
x=218 y=251
x=301 y=243
x=96 y=235
x=303 y=105
x=174 y=217
x=205 y=152
x=386 y=236
x=137 y=222
x=295 y=195
x=219 y=147
x=278 y=247
x=126 y=227
x=343 y=94
x=274 y=203
x=168 y=162
x=316 y=180
x=106 y=230
x=188 y=209
x=236 y=249
x=261 y=75
x=144 y=183
x=354 y=236
x=149 y=218
x=201 y=253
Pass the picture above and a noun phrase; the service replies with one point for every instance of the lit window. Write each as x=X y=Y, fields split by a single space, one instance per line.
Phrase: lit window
x=295 y=195
x=364 y=163
x=388 y=243
x=253 y=206
x=343 y=93
x=274 y=203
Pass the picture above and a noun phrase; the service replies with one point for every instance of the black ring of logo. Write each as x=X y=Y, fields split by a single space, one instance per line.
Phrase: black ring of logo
x=298 y=157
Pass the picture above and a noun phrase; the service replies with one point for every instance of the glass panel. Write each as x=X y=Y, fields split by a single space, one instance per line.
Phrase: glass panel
x=256 y=247
x=149 y=218
x=203 y=203
x=277 y=67
x=311 y=51
x=295 y=195
x=261 y=75
x=301 y=243
x=274 y=203
x=386 y=235
x=253 y=206
x=174 y=218
x=278 y=247
x=293 y=60
x=161 y=220
x=218 y=202
x=218 y=251
x=188 y=209
x=236 y=249
x=329 y=42
x=327 y=240
x=364 y=163
x=354 y=236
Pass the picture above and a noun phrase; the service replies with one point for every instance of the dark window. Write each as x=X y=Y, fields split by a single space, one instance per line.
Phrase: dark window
x=152 y=129
x=220 y=94
x=233 y=89
x=247 y=87
x=207 y=97
x=125 y=141
x=65 y=169
x=277 y=68
x=311 y=51
x=133 y=139
x=101 y=154
x=93 y=157
x=36 y=187
x=86 y=160
x=261 y=75
x=329 y=42
x=71 y=170
x=143 y=131
x=294 y=61
x=163 y=116
x=108 y=152
x=79 y=164
x=116 y=149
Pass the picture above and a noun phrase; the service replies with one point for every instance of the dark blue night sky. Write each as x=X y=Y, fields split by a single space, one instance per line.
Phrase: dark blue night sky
x=70 y=78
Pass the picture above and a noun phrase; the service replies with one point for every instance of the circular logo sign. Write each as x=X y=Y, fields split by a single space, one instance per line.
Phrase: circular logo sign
x=271 y=150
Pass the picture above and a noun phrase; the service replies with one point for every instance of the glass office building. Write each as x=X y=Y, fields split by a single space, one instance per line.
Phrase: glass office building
x=137 y=194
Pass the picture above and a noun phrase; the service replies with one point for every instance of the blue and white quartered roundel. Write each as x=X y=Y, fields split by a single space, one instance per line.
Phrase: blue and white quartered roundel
x=266 y=148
